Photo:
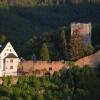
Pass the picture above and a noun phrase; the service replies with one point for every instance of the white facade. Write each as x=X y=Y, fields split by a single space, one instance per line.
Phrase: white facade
x=84 y=29
x=8 y=61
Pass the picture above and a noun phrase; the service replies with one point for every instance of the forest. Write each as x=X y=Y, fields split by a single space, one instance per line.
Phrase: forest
x=27 y=3
x=30 y=26
x=76 y=84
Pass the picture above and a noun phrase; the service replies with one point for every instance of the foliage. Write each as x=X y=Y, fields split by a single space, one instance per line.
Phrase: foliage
x=27 y=3
x=26 y=25
x=76 y=84
x=44 y=53
x=89 y=49
x=6 y=81
x=3 y=39
x=62 y=42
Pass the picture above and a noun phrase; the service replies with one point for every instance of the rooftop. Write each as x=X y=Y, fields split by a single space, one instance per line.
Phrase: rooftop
x=11 y=55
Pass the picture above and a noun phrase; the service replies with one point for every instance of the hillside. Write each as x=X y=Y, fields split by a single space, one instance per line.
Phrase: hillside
x=27 y=3
x=37 y=19
x=19 y=24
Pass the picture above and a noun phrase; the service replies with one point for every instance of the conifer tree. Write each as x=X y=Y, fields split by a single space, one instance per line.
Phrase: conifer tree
x=44 y=53
x=62 y=44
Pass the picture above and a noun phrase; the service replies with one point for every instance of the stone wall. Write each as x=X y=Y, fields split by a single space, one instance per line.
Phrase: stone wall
x=41 y=67
x=92 y=60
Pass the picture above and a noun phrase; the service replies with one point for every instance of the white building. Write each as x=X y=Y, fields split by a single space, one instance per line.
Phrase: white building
x=84 y=29
x=8 y=61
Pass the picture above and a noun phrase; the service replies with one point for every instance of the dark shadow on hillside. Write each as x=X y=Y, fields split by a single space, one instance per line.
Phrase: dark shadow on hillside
x=20 y=24
x=40 y=19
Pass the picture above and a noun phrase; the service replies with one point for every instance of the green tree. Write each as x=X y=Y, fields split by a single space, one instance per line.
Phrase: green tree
x=36 y=83
x=81 y=94
x=44 y=53
x=39 y=97
x=2 y=39
x=89 y=49
x=6 y=81
x=28 y=97
x=19 y=98
x=89 y=82
x=4 y=98
x=62 y=44
x=86 y=81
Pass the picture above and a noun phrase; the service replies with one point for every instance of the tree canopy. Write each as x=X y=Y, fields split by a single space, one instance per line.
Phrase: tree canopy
x=76 y=84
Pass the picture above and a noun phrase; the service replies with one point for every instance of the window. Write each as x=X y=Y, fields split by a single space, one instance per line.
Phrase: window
x=5 y=54
x=11 y=67
x=11 y=60
x=10 y=50
x=50 y=68
x=7 y=49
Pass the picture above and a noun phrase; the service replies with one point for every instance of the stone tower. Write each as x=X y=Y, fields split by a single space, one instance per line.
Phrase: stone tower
x=84 y=30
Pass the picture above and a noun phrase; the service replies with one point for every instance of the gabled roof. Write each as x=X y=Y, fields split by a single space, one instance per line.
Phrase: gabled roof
x=11 y=55
x=2 y=48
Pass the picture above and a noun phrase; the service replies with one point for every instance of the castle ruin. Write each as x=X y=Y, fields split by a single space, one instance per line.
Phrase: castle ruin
x=84 y=30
